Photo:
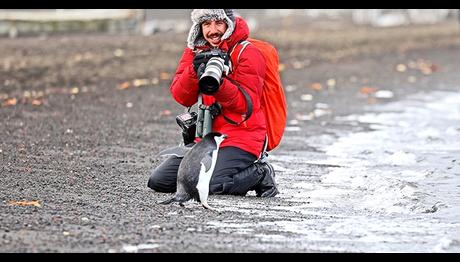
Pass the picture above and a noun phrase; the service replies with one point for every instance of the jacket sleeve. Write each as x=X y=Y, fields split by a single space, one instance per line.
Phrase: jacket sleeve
x=250 y=74
x=184 y=87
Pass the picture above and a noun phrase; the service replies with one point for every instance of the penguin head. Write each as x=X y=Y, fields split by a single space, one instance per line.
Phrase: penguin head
x=218 y=137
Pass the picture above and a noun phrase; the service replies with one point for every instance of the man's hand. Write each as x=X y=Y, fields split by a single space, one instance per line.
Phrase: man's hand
x=200 y=70
x=227 y=63
x=201 y=59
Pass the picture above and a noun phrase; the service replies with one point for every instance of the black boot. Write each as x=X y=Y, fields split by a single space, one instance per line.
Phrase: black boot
x=267 y=185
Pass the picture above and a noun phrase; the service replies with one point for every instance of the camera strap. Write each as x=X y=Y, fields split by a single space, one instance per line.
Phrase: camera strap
x=248 y=103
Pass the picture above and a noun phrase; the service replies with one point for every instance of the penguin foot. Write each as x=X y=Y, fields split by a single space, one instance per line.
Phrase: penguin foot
x=167 y=202
x=206 y=206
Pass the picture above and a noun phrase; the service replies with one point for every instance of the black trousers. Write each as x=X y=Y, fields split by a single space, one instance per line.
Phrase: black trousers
x=234 y=173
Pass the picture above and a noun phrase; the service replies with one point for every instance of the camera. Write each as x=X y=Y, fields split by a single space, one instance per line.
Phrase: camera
x=187 y=122
x=211 y=78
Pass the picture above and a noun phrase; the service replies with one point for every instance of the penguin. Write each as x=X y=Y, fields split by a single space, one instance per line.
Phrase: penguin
x=196 y=169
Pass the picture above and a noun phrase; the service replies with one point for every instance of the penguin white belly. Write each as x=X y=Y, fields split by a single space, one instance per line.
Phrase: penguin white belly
x=204 y=179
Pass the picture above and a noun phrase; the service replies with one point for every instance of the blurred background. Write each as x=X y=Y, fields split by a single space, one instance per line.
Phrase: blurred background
x=16 y=22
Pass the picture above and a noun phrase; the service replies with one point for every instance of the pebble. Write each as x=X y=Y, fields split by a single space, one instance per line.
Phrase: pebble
x=306 y=97
x=384 y=94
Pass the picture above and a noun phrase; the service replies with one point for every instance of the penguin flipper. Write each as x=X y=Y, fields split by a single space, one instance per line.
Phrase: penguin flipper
x=206 y=162
x=178 y=151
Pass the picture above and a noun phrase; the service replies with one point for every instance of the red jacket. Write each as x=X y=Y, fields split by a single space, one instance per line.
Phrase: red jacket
x=250 y=72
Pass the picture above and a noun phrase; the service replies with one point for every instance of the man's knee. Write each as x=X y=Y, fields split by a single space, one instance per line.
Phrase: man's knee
x=159 y=186
x=152 y=183
x=163 y=178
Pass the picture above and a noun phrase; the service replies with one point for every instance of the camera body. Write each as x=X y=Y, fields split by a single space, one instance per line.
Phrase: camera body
x=211 y=78
x=214 y=52
x=187 y=122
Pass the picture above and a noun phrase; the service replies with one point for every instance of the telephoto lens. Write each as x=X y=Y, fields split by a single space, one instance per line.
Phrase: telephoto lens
x=209 y=81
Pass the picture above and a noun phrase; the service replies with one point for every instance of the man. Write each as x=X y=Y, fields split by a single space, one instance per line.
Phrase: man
x=237 y=170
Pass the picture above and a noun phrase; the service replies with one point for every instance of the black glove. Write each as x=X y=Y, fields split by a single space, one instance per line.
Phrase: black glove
x=200 y=70
x=226 y=58
x=200 y=59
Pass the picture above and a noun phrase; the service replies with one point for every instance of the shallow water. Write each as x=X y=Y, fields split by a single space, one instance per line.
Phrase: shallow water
x=393 y=189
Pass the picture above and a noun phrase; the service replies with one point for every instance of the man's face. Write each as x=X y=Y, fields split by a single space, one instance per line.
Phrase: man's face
x=213 y=31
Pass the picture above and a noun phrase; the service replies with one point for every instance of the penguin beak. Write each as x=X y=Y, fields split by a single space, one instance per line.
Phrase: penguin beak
x=224 y=136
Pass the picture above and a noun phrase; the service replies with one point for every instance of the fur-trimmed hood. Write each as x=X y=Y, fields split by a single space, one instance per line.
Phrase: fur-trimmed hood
x=195 y=37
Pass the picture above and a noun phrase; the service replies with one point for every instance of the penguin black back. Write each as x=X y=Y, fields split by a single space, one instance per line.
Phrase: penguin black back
x=198 y=160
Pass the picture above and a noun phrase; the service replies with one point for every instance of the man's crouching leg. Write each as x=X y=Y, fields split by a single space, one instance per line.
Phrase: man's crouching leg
x=237 y=174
